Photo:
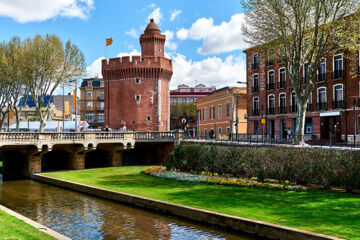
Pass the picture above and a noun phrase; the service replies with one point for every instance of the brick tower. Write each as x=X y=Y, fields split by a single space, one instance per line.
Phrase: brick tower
x=137 y=89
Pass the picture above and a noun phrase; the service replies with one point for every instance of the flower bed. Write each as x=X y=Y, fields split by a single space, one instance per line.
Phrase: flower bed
x=207 y=178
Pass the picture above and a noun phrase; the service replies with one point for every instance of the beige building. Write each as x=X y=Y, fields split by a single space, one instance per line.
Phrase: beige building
x=222 y=112
x=92 y=102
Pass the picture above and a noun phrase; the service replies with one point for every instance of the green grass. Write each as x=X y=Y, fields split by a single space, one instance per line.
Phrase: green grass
x=1 y=164
x=16 y=229
x=332 y=213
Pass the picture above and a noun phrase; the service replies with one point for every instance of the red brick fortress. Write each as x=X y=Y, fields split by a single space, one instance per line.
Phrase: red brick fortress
x=137 y=89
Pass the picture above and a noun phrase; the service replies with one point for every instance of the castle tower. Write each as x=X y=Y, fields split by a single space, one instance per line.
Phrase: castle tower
x=137 y=89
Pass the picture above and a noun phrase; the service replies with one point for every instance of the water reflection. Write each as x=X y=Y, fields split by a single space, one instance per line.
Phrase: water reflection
x=79 y=216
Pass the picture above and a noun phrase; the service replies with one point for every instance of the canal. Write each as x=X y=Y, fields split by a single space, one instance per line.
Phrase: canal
x=80 y=216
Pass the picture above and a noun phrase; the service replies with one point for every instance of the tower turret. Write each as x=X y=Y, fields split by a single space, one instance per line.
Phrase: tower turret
x=152 y=41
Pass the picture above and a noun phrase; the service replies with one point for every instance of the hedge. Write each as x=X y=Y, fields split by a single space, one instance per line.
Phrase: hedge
x=325 y=168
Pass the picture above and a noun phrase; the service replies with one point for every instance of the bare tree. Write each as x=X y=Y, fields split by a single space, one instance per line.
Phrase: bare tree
x=301 y=33
x=48 y=64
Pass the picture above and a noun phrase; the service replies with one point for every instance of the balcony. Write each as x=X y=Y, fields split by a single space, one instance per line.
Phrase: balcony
x=270 y=63
x=337 y=74
x=254 y=66
x=309 y=107
x=282 y=84
x=282 y=109
x=255 y=89
x=321 y=77
x=321 y=106
x=337 y=104
x=271 y=110
x=255 y=112
x=270 y=86
x=293 y=108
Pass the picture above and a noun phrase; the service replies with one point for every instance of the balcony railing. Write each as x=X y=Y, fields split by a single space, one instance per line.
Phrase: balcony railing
x=309 y=107
x=337 y=104
x=282 y=109
x=270 y=86
x=254 y=66
x=282 y=84
x=271 y=110
x=270 y=63
x=293 y=108
x=255 y=112
x=321 y=77
x=337 y=74
x=255 y=89
x=321 y=106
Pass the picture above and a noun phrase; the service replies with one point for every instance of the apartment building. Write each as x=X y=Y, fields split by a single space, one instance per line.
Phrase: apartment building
x=330 y=109
x=92 y=98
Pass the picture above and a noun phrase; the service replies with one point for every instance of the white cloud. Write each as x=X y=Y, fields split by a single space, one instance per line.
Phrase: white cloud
x=156 y=15
x=225 y=37
x=95 y=68
x=212 y=71
x=24 y=11
x=152 y=5
x=169 y=43
x=174 y=14
x=132 y=32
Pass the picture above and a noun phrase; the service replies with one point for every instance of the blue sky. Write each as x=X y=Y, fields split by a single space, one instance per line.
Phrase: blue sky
x=203 y=37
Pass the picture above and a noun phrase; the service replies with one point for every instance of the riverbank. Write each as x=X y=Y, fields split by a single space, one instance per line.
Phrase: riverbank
x=330 y=213
x=12 y=227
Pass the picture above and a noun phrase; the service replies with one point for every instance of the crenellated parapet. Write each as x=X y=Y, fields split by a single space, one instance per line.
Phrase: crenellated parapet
x=147 y=67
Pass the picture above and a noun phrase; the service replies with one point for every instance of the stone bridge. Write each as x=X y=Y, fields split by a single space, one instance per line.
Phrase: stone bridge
x=30 y=152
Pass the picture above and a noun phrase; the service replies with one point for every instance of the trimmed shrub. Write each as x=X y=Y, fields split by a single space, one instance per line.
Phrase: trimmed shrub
x=326 y=168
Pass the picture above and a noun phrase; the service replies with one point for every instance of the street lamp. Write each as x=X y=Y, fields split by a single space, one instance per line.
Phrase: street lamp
x=74 y=102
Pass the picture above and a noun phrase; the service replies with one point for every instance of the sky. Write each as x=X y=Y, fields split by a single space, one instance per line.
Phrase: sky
x=203 y=37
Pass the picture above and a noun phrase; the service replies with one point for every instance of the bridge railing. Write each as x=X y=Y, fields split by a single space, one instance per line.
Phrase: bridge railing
x=155 y=135
x=19 y=136
x=109 y=135
x=67 y=136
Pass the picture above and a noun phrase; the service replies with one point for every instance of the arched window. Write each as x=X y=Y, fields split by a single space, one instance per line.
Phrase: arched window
x=282 y=77
x=271 y=80
x=321 y=98
x=282 y=103
x=255 y=88
x=271 y=104
x=255 y=59
x=338 y=99
x=338 y=66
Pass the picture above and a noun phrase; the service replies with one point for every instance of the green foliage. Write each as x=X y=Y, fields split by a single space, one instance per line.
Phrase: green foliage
x=324 y=168
x=180 y=110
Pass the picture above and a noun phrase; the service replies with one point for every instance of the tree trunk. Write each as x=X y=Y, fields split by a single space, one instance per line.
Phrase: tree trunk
x=42 y=125
x=300 y=123
x=17 y=118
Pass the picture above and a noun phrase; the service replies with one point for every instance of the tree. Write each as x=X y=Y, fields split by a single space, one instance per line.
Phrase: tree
x=301 y=33
x=49 y=64
x=11 y=70
x=5 y=86
x=181 y=110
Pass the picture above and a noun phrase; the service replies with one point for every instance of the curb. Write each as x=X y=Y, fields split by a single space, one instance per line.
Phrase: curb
x=224 y=220
x=36 y=225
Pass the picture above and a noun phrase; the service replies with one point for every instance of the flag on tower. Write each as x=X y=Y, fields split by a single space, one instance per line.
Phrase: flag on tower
x=109 y=41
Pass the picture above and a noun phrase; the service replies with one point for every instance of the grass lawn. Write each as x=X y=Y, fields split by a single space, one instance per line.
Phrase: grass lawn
x=1 y=164
x=336 y=214
x=13 y=228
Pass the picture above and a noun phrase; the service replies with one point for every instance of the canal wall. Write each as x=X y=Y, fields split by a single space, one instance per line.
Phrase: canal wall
x=224 y=220
x=36 y=225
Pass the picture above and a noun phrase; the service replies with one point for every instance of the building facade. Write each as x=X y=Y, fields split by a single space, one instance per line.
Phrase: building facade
x=330 y=109
x=223 y=112
x=92 y=102
x=137 y=89
x=186 y=94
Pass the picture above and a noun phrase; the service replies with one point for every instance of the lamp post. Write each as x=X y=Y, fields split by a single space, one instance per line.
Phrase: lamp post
x=75 y=103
